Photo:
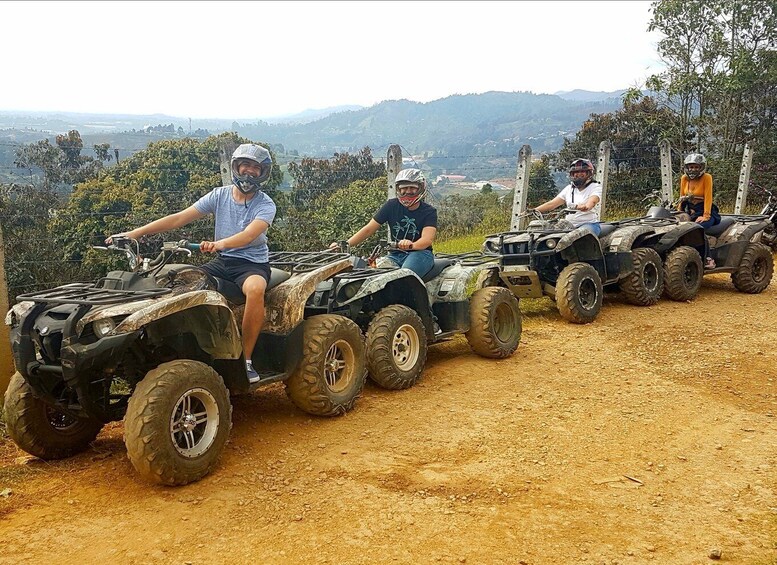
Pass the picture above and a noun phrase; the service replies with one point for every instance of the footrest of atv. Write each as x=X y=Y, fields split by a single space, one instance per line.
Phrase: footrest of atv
x=266 y=378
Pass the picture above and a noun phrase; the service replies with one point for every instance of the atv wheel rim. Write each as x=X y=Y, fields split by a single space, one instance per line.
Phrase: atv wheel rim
x=194 y=422
x=650 y=277
x=690 y=275
x=59 y=420
x=505 y=326
x=338 y=366
x=405 y=347
x=587 y=293
x=759 y=270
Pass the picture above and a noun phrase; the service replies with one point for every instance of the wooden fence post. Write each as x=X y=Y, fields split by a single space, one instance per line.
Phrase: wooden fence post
x=667 y=190
x=521 y=188
x=602 y=173
x=744 y=180
x=6 y=357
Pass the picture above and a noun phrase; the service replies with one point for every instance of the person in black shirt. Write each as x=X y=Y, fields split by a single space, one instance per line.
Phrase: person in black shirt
x=412 y=221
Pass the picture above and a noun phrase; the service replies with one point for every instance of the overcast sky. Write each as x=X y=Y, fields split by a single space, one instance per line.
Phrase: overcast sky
x=263 y=59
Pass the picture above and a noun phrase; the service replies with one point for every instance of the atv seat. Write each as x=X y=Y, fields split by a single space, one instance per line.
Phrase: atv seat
x=717 y=230
x=235 y=295
x=437 y=268
x=607 y=229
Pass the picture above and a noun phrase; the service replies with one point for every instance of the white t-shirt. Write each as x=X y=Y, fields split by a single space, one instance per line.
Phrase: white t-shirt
x=574 y=197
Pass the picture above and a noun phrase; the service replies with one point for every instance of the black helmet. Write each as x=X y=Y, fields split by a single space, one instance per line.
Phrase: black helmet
x=581 y=165
x=414 y=177
x=256 y=154
x=699 y=162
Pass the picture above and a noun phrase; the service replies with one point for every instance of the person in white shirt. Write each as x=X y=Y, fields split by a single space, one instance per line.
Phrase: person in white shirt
x=582 y=193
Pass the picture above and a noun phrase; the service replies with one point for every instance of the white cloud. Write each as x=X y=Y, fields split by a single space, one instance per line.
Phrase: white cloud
x=252 y=59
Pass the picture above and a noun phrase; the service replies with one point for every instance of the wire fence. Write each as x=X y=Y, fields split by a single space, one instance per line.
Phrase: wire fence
x=49 y=232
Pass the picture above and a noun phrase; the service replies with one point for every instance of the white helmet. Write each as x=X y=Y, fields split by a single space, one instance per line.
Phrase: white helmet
x=412 y=177
x=257 y=154
x=694 y=159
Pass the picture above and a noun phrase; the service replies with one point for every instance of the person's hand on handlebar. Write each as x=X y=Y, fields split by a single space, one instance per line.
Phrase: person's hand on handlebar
x=405 y=244
x=110 y=238
x=210 y=246
x=584 y=207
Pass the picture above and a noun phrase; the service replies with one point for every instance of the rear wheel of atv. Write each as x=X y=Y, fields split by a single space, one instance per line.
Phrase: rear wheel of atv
x=579 y=293
x=332 y=370
x=494 y=322
x=644 y=284
x=755 y=270
x=396 y=347
x=683 y=273
x=41 y=430
x=177 y=422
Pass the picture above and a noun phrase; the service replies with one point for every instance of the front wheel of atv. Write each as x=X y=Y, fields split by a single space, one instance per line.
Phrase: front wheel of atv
x=332 y=370
x=755 y=270
x=396 y=347
x=683 y=273
x=494 y=322
x=579 y=293
x=177 y=422
x=42 y=430
x=644 y=284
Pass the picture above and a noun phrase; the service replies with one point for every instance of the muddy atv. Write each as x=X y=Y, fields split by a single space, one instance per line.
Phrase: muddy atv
x=553 y=258
x=735 y=248
x=769 y=235
x=159 y=346
x=734 y=245
x=402 y=314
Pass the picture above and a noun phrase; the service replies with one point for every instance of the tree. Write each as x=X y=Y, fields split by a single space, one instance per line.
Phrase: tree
x=31 y=258
x=64 y=163
x=316 y=177
x=721 y=70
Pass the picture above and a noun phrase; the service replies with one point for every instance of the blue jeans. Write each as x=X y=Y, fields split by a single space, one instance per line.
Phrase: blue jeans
x=420 y=262
x=594 y=226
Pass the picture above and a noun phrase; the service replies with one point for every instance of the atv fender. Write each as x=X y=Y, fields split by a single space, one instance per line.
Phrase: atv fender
x=690 y=234
x=213 y=326
x=622 y=239
x=457 y=282
x=285 y=303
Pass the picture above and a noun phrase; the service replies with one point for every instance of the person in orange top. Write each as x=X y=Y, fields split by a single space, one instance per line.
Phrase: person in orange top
x=696 y=192
x=696 y=196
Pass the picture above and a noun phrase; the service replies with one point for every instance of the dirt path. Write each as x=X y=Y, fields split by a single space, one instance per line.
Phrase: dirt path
x=633 y=440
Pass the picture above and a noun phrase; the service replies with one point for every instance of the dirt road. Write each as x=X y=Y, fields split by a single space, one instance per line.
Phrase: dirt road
x=646 y=437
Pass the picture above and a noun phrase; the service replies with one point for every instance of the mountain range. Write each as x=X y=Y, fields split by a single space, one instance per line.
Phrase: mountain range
x=491 y=123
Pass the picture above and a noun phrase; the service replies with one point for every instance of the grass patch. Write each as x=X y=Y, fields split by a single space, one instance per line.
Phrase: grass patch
x=463 y=244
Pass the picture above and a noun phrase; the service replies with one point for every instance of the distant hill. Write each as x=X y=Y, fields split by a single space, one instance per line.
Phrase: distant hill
x=578 y=95
x=469 y=122
x=312 y=114
x=475 y=132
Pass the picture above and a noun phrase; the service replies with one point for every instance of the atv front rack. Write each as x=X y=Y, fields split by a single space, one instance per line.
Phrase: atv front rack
x=88 y=294
x=470 y=258
x=304 y=261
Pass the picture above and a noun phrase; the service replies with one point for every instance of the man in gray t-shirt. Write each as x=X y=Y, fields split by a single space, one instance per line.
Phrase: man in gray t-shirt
x=243 y=213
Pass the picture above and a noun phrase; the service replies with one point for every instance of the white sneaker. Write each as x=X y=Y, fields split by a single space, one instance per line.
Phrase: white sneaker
x=710 y=264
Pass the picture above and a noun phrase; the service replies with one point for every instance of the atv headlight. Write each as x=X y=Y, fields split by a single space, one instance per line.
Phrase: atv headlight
x=103 y=327
x=349 y=290
x=551 y=243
